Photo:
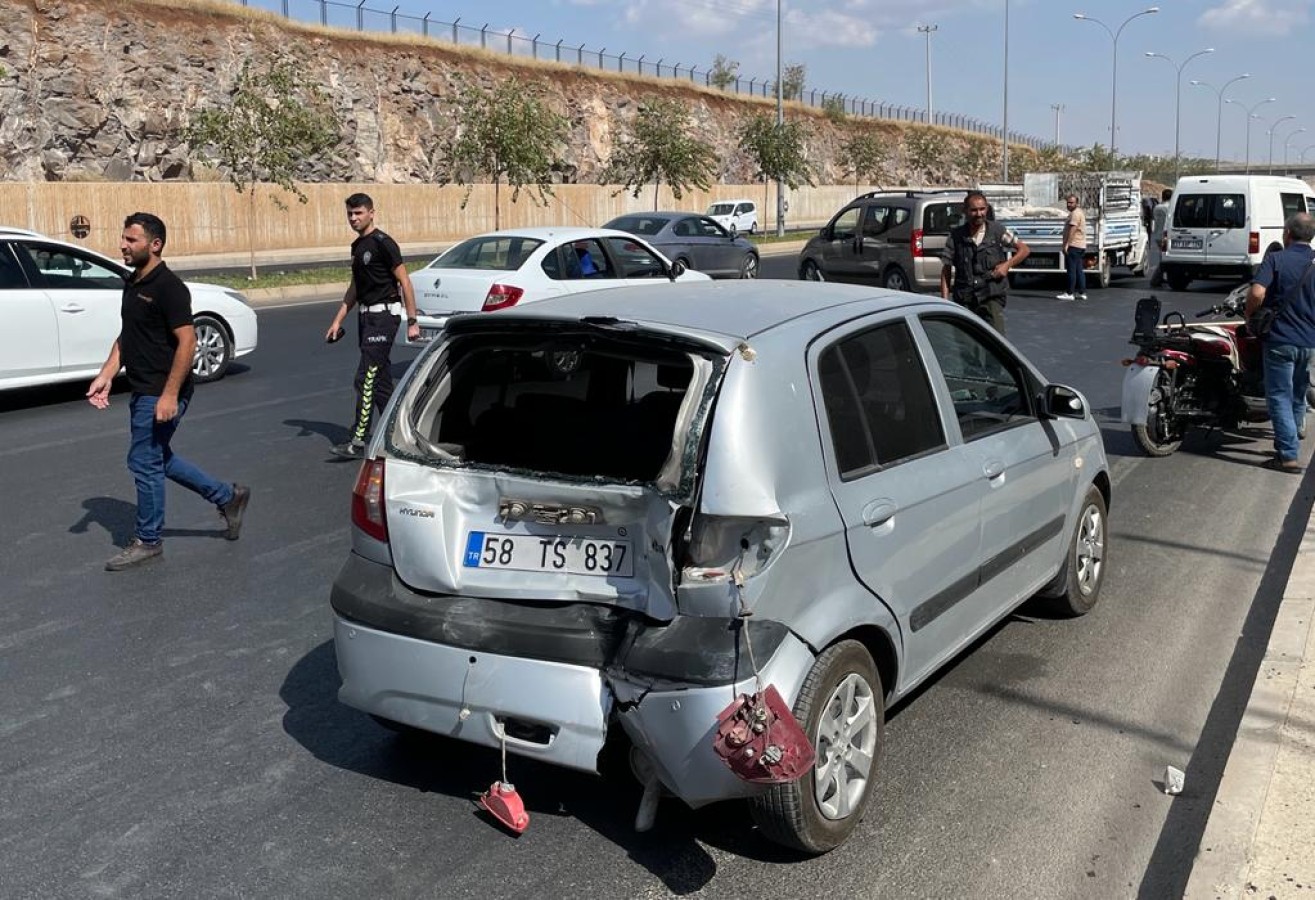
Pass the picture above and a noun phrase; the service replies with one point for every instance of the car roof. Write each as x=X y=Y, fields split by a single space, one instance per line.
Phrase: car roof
x=553 y=232
x=663 y=214
x=20 y=232
x=734 y=310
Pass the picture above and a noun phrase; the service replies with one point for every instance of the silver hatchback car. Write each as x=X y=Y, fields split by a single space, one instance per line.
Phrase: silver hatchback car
x=585 y=513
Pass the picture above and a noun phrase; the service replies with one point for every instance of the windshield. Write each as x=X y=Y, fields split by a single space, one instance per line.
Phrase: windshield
x=504 y=253
x=721 y=209
x=646 y=225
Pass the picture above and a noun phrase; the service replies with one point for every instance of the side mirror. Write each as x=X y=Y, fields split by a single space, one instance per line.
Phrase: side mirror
x=677 y=269
x=1061 y=402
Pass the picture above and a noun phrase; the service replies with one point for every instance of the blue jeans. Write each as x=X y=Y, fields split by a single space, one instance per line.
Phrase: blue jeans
x=1287 y=374
x=1077 y=274
x=151 y=461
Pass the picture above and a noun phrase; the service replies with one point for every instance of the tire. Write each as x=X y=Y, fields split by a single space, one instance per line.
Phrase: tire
x=810 y=272
x=842 y=688
x=895 y=279
x=1178 y=279
x=1104 y=275
x=214 y=349
x=1162 y=434
x=749 y=268
x=1076 y=588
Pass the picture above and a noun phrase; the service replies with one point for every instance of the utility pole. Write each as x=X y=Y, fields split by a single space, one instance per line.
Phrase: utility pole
x=780 y=124
x=1058 y=108
x=927 y=30
x=1004 y=155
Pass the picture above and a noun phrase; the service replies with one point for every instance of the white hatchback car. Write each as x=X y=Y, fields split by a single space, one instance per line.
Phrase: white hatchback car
x=515 y=267
x=62 y=304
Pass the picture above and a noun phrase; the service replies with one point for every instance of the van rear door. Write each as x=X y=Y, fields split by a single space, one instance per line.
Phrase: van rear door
x=1209 y=228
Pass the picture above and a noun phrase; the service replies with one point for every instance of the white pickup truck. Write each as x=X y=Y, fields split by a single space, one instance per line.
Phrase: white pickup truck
x=1035 y=212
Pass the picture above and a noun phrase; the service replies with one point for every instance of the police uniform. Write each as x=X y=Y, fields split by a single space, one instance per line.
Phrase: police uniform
x=374 y=257
x=973 y=260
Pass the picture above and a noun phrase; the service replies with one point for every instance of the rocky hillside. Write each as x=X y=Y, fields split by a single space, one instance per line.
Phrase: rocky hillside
x=92 y=90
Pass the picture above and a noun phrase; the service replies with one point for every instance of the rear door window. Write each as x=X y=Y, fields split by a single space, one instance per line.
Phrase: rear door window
x=939 y=218
x=879 y=403
x=1210 y=211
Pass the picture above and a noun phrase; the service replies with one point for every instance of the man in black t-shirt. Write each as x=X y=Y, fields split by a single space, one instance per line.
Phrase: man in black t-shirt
x=378 y=275
x=155 y=346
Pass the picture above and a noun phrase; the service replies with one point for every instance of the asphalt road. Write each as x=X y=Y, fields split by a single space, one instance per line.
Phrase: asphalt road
x=174 y=732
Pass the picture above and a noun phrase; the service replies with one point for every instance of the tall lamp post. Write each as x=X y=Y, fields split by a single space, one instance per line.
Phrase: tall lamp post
x=927 y=30
x=1251 y=114
x=1301 y=130
x=1177 y=101
x=1114 y=68
x=1273 y=128
x=780 y=123
x=1219 y=112
x=1304 y=151
x=1058 y=108
x=1004 y=136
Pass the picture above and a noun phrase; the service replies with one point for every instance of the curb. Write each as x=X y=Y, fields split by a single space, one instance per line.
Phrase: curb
x=1260 y=837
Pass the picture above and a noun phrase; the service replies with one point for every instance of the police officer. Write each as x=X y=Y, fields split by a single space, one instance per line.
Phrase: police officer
x=976 y=261
x=377 y=276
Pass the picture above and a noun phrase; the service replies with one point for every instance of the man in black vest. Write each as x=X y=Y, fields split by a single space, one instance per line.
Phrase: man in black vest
x=378 y=274
x=976 y=261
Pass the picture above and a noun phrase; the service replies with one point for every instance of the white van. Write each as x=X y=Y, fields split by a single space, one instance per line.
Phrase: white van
x=735 y=215
x=1223 y=225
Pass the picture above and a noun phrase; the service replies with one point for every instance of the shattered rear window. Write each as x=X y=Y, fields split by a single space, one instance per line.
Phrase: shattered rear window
x=578 y=406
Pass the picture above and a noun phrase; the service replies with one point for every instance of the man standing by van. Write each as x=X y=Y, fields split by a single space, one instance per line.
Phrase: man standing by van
x=1155 y=246
x=1285 y=283
x=976 y=261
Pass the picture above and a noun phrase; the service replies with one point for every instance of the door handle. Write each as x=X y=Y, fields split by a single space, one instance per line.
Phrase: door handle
x=879 y=512
x=993 y=468
x=71 y=308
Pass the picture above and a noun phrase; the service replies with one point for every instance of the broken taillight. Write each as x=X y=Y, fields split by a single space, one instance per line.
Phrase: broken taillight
x=368 y=511
x=500 y=296
x=915 y=243
x=719 y=545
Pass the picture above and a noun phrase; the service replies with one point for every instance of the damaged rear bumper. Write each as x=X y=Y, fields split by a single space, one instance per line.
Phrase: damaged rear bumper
x=466 y=668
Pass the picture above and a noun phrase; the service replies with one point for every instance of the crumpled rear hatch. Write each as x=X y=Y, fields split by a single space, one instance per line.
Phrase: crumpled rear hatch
x=545 y=461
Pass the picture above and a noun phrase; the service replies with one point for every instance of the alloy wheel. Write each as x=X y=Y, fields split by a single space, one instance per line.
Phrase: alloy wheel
x=846 y=747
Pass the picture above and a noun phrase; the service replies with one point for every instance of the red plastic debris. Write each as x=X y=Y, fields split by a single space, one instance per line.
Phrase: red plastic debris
x=505 y=804
x=761 y=741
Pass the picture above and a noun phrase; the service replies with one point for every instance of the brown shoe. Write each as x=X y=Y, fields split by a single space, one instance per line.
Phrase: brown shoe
x=1291 y=466
x=232 y=511
x=134 y=554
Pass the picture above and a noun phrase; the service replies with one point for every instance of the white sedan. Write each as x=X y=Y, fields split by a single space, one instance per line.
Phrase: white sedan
x=509 y=268
x=62 y=303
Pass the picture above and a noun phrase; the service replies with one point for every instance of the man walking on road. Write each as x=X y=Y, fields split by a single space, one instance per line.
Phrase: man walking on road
x=155 y=345
x=1074 y=249
x=1155 y=246
x=378 y=274
x=1285 y=284
x=976 y=261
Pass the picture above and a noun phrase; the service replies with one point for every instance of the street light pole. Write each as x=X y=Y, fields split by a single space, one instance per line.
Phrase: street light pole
x=780 y=124
x=927 y=30
x=1177 y=101
x=1251 y=114
x=1058 y=108
x=1273 y=128
x=1114 y=69
x=1304 y=151
x=1301 y=130
x=1004 y=154
x=1219 y=111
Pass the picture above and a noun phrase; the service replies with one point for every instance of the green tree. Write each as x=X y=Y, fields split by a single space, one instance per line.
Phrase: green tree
x=274 y=120
x=792 y=82
x=724 y=72
x=833 y=108
x=863 y=154
x=505 y=132
x=658 y=147
x=924 y=152
x=778 y=152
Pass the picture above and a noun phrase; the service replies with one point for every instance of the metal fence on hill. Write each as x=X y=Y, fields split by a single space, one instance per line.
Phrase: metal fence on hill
x=360 y=17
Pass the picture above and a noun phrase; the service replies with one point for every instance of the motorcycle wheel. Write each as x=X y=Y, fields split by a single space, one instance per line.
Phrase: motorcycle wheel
x=1163 y=432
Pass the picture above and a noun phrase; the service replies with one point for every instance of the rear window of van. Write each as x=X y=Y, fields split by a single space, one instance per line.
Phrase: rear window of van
x=939 y=218
x=1210 y=211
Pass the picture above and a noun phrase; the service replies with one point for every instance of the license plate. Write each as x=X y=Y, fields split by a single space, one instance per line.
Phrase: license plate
x=1040 y=262
x=555 y=553
x=1187 y=243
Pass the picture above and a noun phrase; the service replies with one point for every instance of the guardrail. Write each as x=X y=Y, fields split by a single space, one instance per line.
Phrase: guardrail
x=360 y=17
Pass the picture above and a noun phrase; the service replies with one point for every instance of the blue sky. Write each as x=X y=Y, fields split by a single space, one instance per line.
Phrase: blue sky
x=871 y=48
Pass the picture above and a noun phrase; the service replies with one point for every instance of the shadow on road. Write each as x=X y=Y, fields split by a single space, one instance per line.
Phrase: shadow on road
x=348 y=739
x=118 y=518
x=332 y=432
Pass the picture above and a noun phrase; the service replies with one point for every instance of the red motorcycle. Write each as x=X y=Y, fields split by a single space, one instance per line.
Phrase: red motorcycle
x=1191 y=375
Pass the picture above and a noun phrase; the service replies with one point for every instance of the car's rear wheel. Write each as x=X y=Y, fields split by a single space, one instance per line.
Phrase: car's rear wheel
x=214 y=349
x=1178 y=279
x=895 y=279
x=842 y=708
x=810 y=272
x=1076 y=588
x=749 y=268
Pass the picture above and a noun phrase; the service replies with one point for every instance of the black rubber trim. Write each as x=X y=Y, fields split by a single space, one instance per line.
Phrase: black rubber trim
x=586 y=634
x=1016 y=551
x=936 y=606
x=702 y=651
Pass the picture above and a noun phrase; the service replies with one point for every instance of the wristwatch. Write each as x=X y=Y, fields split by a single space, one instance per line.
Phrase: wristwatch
x=410 y=320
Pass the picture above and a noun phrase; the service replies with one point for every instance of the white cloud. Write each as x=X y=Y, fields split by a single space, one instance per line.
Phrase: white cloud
x=1257 y=17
